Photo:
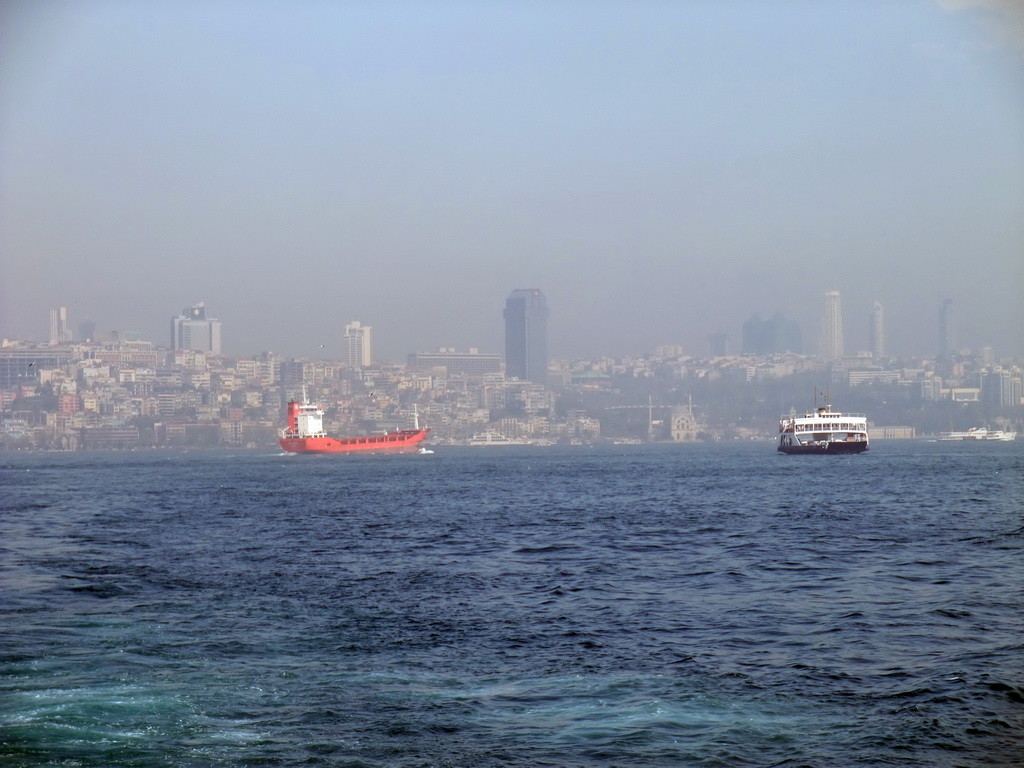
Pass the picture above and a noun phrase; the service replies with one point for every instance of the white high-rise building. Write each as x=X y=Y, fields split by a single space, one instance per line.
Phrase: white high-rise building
x=832 y=327
x=60 y=331
x=357 y=345
x=192 y=329
x=877 y=331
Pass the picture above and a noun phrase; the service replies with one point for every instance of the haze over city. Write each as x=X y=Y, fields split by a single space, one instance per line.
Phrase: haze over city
x=661 y=171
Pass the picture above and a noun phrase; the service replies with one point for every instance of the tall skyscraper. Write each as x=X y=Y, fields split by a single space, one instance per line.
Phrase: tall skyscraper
x=192 y=329
x=357 y=345
x=877 y=331
x=526 y=337
x=947 y=329
x=60 y=331
x=769 y=337
x=832 y=327
x=87 y=330
x=718 y=344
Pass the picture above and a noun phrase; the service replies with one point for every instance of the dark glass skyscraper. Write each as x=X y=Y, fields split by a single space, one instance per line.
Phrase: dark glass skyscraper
x=526 y=336
x=947 y=330
x=768 y=337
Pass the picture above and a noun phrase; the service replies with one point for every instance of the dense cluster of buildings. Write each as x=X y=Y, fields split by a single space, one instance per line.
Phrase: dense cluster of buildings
x=128 y=392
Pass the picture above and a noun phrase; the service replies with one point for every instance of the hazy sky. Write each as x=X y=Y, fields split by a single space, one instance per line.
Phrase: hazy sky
x=661 y=170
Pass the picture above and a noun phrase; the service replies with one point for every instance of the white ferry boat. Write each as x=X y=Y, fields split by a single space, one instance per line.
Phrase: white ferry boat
x=824 y=431
x=495 y=438
x=979 y=433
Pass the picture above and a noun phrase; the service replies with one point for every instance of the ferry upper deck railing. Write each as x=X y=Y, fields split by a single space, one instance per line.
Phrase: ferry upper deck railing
x=827 y=415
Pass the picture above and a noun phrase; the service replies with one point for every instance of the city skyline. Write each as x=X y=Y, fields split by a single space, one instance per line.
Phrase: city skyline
x=193 y=330
x=663 y=171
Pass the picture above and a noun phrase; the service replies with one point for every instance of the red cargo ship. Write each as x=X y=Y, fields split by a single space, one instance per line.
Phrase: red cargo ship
x=305 y=434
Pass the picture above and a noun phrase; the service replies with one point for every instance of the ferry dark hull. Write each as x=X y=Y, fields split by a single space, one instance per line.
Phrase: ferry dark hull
x=838 y=447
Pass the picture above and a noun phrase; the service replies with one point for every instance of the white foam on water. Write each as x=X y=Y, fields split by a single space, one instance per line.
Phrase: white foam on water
x=599 y=709
x=117 y=714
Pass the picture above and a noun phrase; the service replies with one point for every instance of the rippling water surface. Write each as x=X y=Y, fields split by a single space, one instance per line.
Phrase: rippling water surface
x=711 y=605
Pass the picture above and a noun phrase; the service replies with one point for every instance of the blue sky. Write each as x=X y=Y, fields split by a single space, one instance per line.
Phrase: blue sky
x=661 y=170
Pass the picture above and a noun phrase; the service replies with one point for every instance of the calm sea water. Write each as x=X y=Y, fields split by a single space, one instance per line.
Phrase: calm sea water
x=708 y=605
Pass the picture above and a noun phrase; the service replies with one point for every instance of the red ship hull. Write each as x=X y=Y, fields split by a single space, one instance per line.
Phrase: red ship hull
x=404 y=441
